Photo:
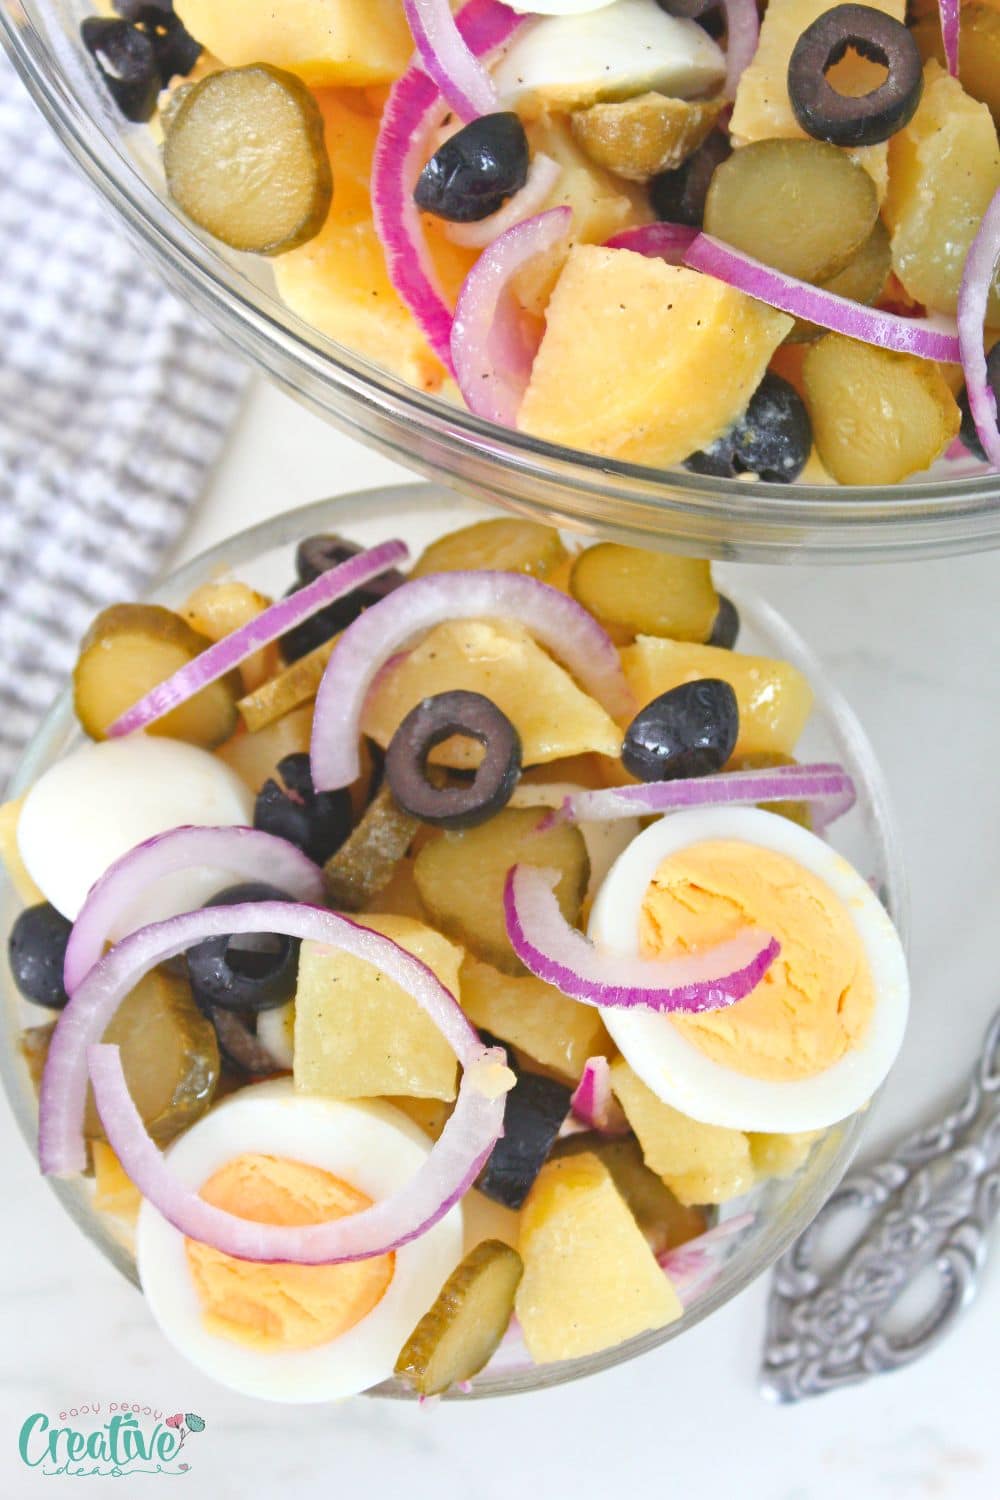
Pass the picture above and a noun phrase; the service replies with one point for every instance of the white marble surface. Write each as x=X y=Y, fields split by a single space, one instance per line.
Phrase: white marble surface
x=915 y=648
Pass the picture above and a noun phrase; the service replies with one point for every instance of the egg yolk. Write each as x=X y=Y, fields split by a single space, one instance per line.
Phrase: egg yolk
x=816 y=1001
x=273 y=1305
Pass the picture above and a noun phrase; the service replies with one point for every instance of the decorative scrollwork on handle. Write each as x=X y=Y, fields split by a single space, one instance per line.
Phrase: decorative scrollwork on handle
x=928 y=1210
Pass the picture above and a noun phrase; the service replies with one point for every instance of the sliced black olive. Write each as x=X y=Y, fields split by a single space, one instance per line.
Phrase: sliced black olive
x=678 y=196
x=244 y=971
x=689 y=731
x=536 y=1108
x=36 y=949
x=175 y=48
x=773 y=438
x=126 y=60
x=469 y=177
x=287 y=805
x=240 y=1046
x=869 y=118
x=463 y=804
x=726 y=629
x=688 y=10
x=316 y=555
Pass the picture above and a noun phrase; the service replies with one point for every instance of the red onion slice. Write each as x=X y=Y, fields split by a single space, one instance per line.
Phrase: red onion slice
x=453 y=1165
x=662 y=241
x=693 y=1266
x=492 y=345
x=554 y=951
x=593 y=1103
x=951 y=27
x=973 y=298
x=465 y=85
x=923 y=337
x=224 y=655
x=827 y=788
x=543 y=174
x=413 y=112
x=561 y=625
x=742 y=36
x=247 y=853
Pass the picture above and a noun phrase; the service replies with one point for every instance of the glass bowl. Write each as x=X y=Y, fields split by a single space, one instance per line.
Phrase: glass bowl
x=955 y=508
x=781 y=1209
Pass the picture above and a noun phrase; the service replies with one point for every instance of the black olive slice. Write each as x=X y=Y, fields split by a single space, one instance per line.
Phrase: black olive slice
x=869 y=118
x=463 y=804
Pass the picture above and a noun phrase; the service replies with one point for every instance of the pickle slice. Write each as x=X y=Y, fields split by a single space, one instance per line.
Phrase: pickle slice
x=863 y=280
x=637 y=138
x=245 y=158
x=508 y=545
x=296 y=685
x=461 y=1332
x=365 y=862
x=129 y=649
x=646 y=593
x=802 y=207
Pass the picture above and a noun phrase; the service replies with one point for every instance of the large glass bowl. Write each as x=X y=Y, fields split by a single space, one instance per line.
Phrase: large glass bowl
x=949 y=510
x=781 y=1209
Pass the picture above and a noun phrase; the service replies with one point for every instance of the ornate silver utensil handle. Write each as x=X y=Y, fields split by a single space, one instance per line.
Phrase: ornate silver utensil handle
x=927 y=1210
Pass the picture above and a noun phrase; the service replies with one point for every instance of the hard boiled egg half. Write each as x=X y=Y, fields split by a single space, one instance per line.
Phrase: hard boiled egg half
x=815 y=1039
x=289 y=1332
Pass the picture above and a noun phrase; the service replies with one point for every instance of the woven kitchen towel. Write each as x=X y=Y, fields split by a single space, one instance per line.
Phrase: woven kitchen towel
x=114 y=402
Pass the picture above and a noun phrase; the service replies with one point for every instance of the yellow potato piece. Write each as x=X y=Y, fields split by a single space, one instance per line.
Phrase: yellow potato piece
x=114 y=1192
x=774 y=698
x=10 y=854
x=535 y=1017
x=590 y=1279
x=254 y=756
x=780 y=1155
x=763 y=110
x=645 y=362
x=358 y=1035
x=553 y=717
x=338 y=282
x=699 y=1163
x=943 y=171
x=354 y=42
x=216 y=609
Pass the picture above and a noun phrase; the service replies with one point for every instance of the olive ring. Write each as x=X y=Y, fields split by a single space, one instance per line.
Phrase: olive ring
x=865 y=120
x=428 y=724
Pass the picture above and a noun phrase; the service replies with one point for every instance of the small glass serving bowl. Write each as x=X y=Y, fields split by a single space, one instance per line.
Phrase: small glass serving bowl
x=779 y=1209
x=953 y=508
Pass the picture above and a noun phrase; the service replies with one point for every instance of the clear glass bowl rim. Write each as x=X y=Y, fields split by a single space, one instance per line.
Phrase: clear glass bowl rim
x=725 y=517
x=841 y=1144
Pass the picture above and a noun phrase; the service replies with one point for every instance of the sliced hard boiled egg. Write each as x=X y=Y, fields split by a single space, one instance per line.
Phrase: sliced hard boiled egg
x=283 y=1332
x=572 y=59
x=102 y=799
x=815 y=1039
x=605 y=841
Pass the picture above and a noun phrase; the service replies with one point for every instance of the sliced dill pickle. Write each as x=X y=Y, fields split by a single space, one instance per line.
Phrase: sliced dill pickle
x=129 y=649
x=170 y=1055
x=637 y=138
x=802 y=207
x=646 y=593
x=862 y=280
x=461 y=1332
x=506 y=544
x=296 y=685
x=461 y=877
x=767 y=760
x=364 y=864
x=245 y=158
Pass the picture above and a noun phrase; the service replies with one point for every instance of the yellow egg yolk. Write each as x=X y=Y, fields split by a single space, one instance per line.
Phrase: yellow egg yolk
x=816 y=1001
x=273 y=1305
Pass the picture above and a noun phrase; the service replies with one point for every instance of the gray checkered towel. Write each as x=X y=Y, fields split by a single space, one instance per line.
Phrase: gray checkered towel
x=114 y=402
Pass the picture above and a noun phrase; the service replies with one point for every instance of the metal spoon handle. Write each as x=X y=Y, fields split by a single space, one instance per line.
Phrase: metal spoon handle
x=927 y=1210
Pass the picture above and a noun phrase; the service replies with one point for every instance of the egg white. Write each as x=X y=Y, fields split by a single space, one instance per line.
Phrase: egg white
x=102 y=799
x=675 y=1069
x=371 y=1146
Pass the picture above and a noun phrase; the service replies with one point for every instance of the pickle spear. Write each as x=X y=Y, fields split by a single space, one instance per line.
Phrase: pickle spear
x=245 y=158
x=461 y=1332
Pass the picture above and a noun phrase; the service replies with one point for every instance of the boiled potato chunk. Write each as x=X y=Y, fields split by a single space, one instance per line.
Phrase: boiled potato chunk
x=358 y=1035
x=324 y=41
x=780 y=1155
x=663 y=1219
x=216 y=609
x=254 y=756
x=979 y=56
x=686 y=353
x=590 y=1279
x=774 y=698
x=877 y=416
x=114 y=1192
x=505 y=544
x=10 y=855
x=461 y=878
x=338 y=282
x=763 y=110
x=639 y=137
x=944 y=169
x=432 y=1115
x=699 y=1163
x=537 y=1019
x=553 y=717
x=647 y=593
